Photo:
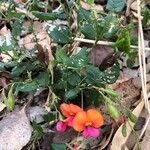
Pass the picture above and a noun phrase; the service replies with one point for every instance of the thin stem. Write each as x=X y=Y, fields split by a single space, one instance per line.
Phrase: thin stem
x=104 y=43
x=82 y=99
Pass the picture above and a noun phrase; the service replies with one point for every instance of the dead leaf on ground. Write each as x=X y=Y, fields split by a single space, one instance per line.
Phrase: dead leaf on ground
x=128 y=7
x=119 y=140
x=99 y=54
x=15 y=131
x=29 y=40
x=2 y=106
x=128 y=93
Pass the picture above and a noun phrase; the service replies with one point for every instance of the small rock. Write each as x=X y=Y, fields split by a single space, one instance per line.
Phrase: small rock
x=140 y=123
x=35 y=113
x=130 y=73
x=15 y=131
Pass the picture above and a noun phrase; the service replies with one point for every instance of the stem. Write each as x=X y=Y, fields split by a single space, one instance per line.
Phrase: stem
x=82 y=99
x=104 y=43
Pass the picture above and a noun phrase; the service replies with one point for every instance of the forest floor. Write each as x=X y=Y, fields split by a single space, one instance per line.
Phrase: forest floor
x=94 y=54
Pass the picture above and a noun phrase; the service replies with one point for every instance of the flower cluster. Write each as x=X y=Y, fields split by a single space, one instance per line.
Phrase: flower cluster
x=88 y=122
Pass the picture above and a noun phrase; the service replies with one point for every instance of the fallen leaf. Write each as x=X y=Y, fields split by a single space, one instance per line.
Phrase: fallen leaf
x=2 y=106
x=15 y=131
x=119 y=140
x=128 y=7
x=99 y=54
x=134 y=6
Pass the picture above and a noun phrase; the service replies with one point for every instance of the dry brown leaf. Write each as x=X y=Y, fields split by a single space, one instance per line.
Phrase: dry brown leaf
x=15 y=131
x=119 y=140
x=134 y=6
x=2 y=106
x=99 y=54
x=128 y=7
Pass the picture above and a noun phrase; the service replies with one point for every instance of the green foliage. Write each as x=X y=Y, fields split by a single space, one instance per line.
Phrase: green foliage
x=116 y=5
x=49 y=16
x=10 y=101
x=123 y=44
x=60 y=146
x=60 y=34
x=123 y=41
x=124 y=130
x=16 y=28
x=113 y=111
x=48 y=117
x=90 y=1
x=131 y=116
x=88 y=31
x=69 y=74
x=72 y=93
x=108 y=26
x=26 y=86
x=146 y=16
x=37 y=131
x=111 y=74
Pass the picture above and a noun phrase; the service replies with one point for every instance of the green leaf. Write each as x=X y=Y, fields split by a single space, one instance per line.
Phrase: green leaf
x=83 y=15
x=73 y=79
x=60 y=34
x=116 y=5
x=131 y=116
x=108 y=26
x=49 y=117
x=124 y=130
x=146 y=16
x=110 y=75
x=81 y=58
x=61 y=56
x=61 y=146
x=93 y=75
x=131 y=59
x=10 y=101
x=93 y=95
x=90 y=1
x=27 y=87
x=109 y=92
x=37 y=131
x=43 y=79
x=123 y=42
x=17 y=70
x=113 y=112
x=72 y=93
x=48 y=16
x=88 y=31
x=12 y=14
x=16 y=28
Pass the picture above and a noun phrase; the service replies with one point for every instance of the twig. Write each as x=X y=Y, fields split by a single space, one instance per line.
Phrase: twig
x=142 y=57
x=141 y=51
x=104 y=43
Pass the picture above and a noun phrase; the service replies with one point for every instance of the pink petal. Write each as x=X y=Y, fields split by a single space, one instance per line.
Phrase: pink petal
x=61 y=126
x=91 y=132
x=70 y=121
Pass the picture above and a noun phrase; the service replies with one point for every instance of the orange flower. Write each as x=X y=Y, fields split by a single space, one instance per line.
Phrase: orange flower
x=88 y=122
x=69 y=111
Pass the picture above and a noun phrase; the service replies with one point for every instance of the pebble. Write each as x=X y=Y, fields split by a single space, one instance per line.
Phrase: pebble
x=35 y=113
